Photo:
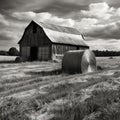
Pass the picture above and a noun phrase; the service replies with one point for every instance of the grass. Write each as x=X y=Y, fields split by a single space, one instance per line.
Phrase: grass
x=39 y=100
x=20 y=84
x=2 y=88
x=116 y=74
x=13 y=109
x=102 y=105
x=20 y=89
x=8 y=81
x=66 y=90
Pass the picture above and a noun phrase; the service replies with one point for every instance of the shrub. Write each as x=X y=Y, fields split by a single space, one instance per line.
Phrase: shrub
x=13 y=51
x=20 y=59
x=3 y=52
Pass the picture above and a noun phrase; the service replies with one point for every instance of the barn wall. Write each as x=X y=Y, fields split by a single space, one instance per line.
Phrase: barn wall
x=59 y=50
x=44 y=53
x=25 y=51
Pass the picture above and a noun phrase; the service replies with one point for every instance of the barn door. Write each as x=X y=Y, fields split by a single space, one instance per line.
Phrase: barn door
x=34 y=53
x=44 y=53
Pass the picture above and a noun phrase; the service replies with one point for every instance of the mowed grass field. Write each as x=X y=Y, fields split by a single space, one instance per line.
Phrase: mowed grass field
x=7 y=58
x=48 y=94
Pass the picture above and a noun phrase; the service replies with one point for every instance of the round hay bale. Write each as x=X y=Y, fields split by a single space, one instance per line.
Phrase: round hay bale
x=20 y=59
x=79 y=61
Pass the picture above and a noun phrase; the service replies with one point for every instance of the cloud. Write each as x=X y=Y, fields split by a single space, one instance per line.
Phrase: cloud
x=98 y=10
x=110 y=31
x=117 y=13
x=49 y=18
x=3 y=21
x=98 y=21
x=62 y=8
x=23 y=5
x=43 y=17
x=86 y=24
x=24 y=15
x=102 y=44
x=12 y=32
x=52 y=6
x=8 y=35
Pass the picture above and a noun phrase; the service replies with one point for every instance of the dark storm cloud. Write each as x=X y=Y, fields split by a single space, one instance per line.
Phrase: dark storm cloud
x=58 y=7
x=6 y=36
x=62 y=8
x=49 y=4
x=22 y=5
x=106 y=32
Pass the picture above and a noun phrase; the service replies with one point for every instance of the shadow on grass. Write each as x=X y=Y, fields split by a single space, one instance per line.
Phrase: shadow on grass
x=46 y=73
x=7 y=62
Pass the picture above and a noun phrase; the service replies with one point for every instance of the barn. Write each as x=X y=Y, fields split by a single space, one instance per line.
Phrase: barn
x=43 y=41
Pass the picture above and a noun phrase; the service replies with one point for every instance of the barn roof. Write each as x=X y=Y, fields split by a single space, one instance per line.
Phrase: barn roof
x=62 y=35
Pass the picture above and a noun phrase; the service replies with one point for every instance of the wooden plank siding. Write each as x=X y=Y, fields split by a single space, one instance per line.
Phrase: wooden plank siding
x=32 y=39
x=25 y=51
x=59 y=50
x=44 y=53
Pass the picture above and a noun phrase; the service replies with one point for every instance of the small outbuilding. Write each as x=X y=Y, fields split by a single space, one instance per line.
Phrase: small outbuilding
x=43 y=41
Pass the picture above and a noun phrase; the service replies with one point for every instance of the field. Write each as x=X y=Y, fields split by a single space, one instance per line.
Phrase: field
x=7 y=58
x=45 y=93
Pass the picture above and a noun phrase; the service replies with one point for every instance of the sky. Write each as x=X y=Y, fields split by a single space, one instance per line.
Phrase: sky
x=97 y=20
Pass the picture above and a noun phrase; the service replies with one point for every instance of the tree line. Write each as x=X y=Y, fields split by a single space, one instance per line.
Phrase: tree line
x=98 y=53
x=106 y=53
x=11 y=52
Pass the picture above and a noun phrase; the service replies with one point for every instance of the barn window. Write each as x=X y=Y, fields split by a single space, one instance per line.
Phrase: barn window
x=34 y=28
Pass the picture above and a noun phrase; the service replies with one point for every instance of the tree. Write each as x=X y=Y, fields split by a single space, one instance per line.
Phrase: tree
x=13 y=51
x=2 y=52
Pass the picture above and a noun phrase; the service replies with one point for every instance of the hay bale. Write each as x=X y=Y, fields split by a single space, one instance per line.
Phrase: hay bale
x=79 y=61
x=20 y=59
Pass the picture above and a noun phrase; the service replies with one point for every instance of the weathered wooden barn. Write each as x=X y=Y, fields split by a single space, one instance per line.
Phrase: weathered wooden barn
x=43 y=41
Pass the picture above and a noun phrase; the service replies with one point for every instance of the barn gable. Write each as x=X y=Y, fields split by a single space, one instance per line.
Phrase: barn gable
x=34 y=36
